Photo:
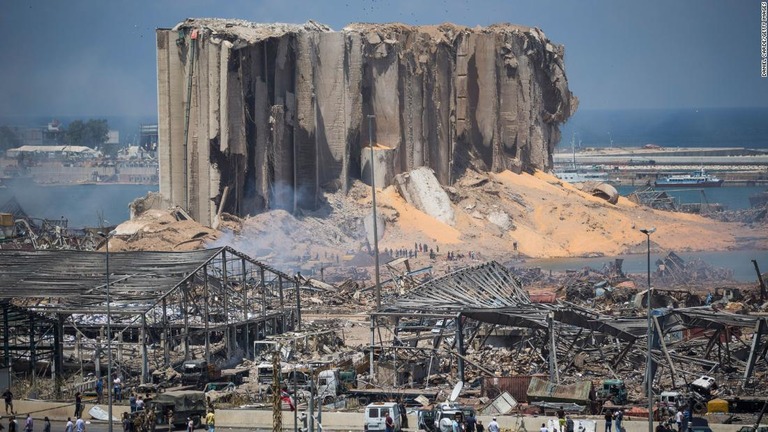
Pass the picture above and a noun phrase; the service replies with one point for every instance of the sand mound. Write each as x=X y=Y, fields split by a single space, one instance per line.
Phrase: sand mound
x=497 y=216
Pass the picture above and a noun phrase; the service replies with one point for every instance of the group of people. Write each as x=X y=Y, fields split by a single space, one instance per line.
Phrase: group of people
x=13 y=424
x=616 y=418
x=77 y=426
x=683 y=418
x=470 y=423
x=565 y=421
x=117 y=389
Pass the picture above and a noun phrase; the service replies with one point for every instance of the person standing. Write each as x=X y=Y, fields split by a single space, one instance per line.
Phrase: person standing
x=210 y=420
x=12 y=424
x=403 y=414
x=608 y=420
x=8 y=396
x=126 y=422
x=561 y=418
x=493 y=426
x=46 y=424
x=389 y=423
x=470 y=422
x=569 y=425
x=70 y=427
x=79 y=425
x=117 y=389
x=78 y=405
x=619 y=416
x=29 y=424
x=456 y=425
x=190 y=425
x=99 y=390
x=479 y=426
x=679 y=420
x=543 y=428
x=151 y=417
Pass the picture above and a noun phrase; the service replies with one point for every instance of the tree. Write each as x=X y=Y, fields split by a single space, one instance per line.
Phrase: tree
x=92 y=133
x=8 y=138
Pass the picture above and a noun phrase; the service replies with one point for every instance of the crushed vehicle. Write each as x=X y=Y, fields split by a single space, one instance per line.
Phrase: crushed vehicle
x=700 y=392
x=613 y=390
x=332 y=383
x=198 y=373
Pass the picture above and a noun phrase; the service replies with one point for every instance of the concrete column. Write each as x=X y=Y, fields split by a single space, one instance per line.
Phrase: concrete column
x=206 y=299
x=143 y=345
x=225 y=288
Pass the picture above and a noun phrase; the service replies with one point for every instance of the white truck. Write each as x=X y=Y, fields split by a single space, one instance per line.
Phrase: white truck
x=331 y=384
x=376 y=415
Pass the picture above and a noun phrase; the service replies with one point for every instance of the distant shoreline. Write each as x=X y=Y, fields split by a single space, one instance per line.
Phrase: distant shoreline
x=6 y=183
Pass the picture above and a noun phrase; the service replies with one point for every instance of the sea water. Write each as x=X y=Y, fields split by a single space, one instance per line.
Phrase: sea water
x=731 y=197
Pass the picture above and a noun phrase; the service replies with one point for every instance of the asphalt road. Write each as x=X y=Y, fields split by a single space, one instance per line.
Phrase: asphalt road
x=95 y=426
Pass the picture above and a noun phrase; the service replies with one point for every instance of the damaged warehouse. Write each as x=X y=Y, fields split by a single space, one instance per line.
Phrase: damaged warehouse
x=166 y=308
x=266 y=116
x=478 y=325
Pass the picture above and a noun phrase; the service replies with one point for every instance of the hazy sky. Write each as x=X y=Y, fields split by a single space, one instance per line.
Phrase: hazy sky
x=97 y=57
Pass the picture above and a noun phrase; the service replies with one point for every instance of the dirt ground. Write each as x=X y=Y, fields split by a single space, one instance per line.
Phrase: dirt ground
x=553 y=219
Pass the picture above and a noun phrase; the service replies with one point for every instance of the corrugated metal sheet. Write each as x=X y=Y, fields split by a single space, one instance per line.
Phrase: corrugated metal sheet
x=543 y=390
x=516 y=386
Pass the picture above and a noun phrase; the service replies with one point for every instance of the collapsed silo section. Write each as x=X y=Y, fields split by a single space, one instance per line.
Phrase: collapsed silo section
x=262 y=116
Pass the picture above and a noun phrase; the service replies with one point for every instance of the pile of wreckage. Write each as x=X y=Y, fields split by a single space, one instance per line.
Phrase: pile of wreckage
x=19 y=231
x=477 y=324
x=586 y=351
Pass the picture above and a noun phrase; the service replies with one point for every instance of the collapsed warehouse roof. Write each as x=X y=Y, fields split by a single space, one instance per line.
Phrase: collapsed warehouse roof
x=173 y=298
x=74 y=282
x=481 y=300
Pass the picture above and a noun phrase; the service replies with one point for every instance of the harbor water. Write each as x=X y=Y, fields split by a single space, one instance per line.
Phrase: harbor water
x=732 y=198
x=85 y=205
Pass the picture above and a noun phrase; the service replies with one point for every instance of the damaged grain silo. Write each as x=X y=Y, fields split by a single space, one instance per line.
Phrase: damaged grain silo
x=266 y=116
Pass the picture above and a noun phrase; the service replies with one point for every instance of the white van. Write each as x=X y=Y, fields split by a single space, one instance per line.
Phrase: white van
x=671 y=401
x=376 y=414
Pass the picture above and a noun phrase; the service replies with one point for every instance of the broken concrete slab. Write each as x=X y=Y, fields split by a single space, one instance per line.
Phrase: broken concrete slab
x=503 y=404
x=421 y=189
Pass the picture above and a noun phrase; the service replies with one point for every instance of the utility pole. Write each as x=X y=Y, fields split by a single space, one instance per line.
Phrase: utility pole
x=649 y=361
x=375 y=222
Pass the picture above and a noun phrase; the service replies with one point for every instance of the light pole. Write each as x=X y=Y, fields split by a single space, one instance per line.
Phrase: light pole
x=649 y=381
x=109 y=335
x=375 y=223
